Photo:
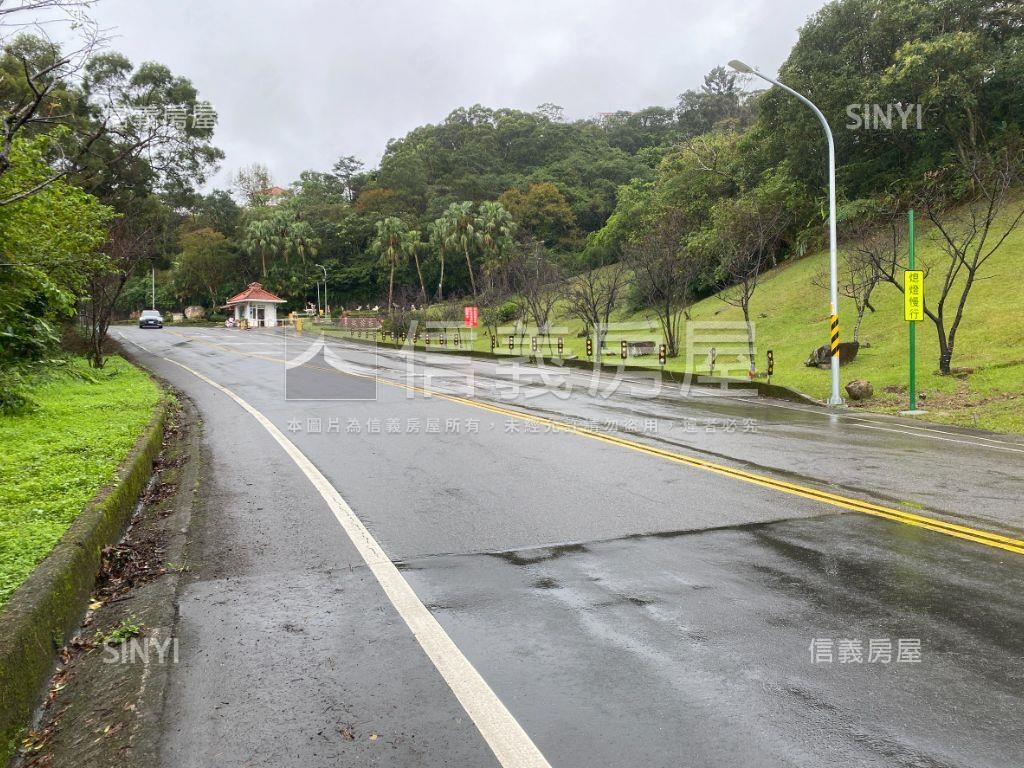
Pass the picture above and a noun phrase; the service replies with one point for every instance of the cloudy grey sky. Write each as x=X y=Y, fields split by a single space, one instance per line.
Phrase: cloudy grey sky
x=298 y=83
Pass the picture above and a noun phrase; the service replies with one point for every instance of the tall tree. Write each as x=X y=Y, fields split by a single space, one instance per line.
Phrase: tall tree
x=496 y=229
x=658 y=261
x=136 y=238
x=411 y=245
x=455 y=231
x=262 y=237
x=390 y=246
x=205 y=265
x=252 y=185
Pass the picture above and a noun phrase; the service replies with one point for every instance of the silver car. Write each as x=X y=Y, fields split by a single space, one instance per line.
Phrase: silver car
x=151 y=318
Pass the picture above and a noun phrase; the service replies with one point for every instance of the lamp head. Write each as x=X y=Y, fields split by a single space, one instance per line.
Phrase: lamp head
x=739 y=66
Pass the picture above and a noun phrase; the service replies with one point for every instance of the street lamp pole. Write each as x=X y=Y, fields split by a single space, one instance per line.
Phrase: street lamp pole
x=834 y=399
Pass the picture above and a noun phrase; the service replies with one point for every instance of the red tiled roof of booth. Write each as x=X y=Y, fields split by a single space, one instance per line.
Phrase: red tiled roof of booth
x=255 y=292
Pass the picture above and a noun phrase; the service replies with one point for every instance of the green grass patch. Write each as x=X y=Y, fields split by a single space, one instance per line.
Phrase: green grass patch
x=57 y=456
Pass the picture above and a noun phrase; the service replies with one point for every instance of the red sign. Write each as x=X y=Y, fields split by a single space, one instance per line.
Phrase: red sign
x=471 y=315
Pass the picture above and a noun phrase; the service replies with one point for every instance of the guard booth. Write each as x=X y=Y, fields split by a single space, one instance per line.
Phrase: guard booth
x=255 y=307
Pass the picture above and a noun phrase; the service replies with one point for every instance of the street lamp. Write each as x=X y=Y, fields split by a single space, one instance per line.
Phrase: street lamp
x=834 y=399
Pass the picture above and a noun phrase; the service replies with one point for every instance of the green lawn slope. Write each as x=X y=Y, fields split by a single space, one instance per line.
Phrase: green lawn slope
x=791 y=313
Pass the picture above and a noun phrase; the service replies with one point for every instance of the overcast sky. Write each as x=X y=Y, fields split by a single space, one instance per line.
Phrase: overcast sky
x=298 y=83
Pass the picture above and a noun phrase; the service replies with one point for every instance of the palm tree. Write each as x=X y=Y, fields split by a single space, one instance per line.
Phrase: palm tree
x=262 y=236
x=411 y=244
x=496 y=228
x=388 y=243
x=300 y=240
x=438 y=241
x=459 y=233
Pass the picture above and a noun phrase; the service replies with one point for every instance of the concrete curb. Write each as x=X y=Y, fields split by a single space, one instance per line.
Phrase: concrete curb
x=764 y=389
x=43 y=612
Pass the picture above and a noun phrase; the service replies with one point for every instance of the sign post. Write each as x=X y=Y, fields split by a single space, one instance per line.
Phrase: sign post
x=913 y=309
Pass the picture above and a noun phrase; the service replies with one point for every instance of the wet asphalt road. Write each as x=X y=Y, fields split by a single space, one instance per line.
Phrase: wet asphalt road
x=627 y=610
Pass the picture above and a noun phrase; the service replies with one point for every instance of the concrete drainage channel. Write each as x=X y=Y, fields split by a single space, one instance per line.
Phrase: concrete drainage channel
x=103 y=602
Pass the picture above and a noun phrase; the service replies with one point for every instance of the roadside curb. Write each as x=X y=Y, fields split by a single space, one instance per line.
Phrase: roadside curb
x=763 y=388
x=44 y=611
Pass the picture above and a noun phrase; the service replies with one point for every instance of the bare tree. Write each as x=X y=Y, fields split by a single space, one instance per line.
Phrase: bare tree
x=133 y=240
x=537 y=280
x=859 y=266
x=746 y=235
x=592 y=295
x=968 y=230
x=663 y=273
x=252 y=184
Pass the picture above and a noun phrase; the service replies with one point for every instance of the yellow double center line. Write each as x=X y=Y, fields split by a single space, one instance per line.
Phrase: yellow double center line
x=856 y=505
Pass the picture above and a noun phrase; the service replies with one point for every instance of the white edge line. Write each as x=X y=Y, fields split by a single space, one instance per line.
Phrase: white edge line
x=936 y=437
x=510 y=744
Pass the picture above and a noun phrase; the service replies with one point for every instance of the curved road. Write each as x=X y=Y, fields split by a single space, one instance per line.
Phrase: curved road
x=431 y=560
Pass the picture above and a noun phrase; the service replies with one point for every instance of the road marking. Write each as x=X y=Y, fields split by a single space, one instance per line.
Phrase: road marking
x=510 y=744
x=936 y=525
x=920 y=521
x=936 y=437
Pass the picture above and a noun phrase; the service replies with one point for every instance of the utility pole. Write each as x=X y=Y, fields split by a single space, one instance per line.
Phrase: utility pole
x=153 y=288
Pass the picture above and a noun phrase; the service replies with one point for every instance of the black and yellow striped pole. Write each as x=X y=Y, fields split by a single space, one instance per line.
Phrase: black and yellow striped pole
x=834 y=344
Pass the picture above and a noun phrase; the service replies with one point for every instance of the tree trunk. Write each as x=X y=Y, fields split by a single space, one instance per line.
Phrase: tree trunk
x=423 y=287
x=945 y=352
x=856 y=325
x=391 y=289
x=440 y=279
x=750 y=340
x=469 y=266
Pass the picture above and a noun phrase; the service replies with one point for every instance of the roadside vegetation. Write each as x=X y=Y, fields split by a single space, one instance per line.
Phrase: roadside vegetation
x=57 y=455
x=708 y=207
x=712 y=206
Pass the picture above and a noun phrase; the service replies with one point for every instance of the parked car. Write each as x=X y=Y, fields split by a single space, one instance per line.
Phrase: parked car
x=151 y=318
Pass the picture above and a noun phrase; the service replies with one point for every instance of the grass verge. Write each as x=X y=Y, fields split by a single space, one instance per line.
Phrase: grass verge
x=57 y=456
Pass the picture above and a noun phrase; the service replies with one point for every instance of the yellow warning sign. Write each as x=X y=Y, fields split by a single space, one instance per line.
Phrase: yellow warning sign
x=913 y=295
